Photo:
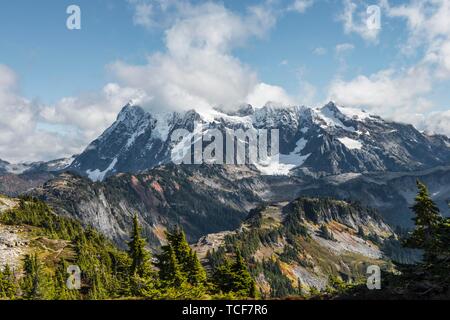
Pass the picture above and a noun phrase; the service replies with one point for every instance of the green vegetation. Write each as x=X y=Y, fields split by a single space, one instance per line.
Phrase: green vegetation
x=175 y=271
x=426 y=279
x=8 y=285
x=108 y=272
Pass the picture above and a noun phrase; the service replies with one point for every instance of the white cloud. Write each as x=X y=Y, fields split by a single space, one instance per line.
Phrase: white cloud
x=264 y=93
x=32 y=132
x=89 y=115
x=20 y=135
x=437 y=122
x=320 y=51
x=301 y=5
x=154 y=13
x=143 y=14
x=344 y=47
x=198 y=70
x=400 y=94
x=397 y=95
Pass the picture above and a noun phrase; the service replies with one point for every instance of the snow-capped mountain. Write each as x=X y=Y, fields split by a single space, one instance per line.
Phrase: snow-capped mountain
x=33 y=167
x=322 y=141
x=18 y=178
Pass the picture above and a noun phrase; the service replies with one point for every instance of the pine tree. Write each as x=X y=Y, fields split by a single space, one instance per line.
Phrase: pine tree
x=141 y=281
x=34 y=283
x=427 y=221
x=235 y=278
x=242 y=280
x=190 y=266
x=223 y=277
x=196 y=274
x=140 y=257
x=8 y=286
x=169 y=268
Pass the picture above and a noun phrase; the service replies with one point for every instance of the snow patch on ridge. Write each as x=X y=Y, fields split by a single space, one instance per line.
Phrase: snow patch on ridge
x=331 y=120
x=284 y=163
x=17 y=168
x=98 y=175
x=354 y=113
x=351 y=144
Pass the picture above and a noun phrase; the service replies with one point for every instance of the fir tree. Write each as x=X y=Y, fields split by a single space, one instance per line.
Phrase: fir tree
x=235 y=278
x=140 y=257
x=242 y=280
x=427 y=222
x=186 y=257
x=62 y=292
x=33 y=283
x=196 y=274
x=169 y=268
x=8 y=286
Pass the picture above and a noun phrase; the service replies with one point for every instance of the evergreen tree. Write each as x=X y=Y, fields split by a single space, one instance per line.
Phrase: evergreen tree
x=8 y=286
x=427 y=222
x=235 y=278
x=187 y=259
x=243 y=281
x=140 y=257
x=169 y=268
x=196 y=274
x=34 y=282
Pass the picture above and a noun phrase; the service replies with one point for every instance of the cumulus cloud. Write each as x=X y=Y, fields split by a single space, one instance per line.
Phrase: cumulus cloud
x=20 y=135
x=264 y=93
x=386 y=92
x=30 y=131
x=198 y=70
x=403 y=94
x=436 y=122
x=301 y=5
x=90 y=114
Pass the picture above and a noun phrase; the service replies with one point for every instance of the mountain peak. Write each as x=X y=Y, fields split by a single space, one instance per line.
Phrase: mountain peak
x=130 y=111
x=326 y=140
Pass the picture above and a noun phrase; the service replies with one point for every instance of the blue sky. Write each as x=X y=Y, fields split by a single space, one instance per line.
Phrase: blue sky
x=63 y=87
x=54 y=62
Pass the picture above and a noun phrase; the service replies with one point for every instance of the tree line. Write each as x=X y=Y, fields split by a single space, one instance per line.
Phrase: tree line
x=174 y=272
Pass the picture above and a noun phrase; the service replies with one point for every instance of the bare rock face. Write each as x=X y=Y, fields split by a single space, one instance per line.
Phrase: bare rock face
x=290 y=238
x=13 y=246
x=202 y=199
x=12 y=243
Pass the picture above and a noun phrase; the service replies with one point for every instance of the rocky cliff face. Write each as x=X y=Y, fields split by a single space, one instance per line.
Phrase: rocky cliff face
x=391 y=193
x=202 y=199
x=206 y=198
x=303 y=242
